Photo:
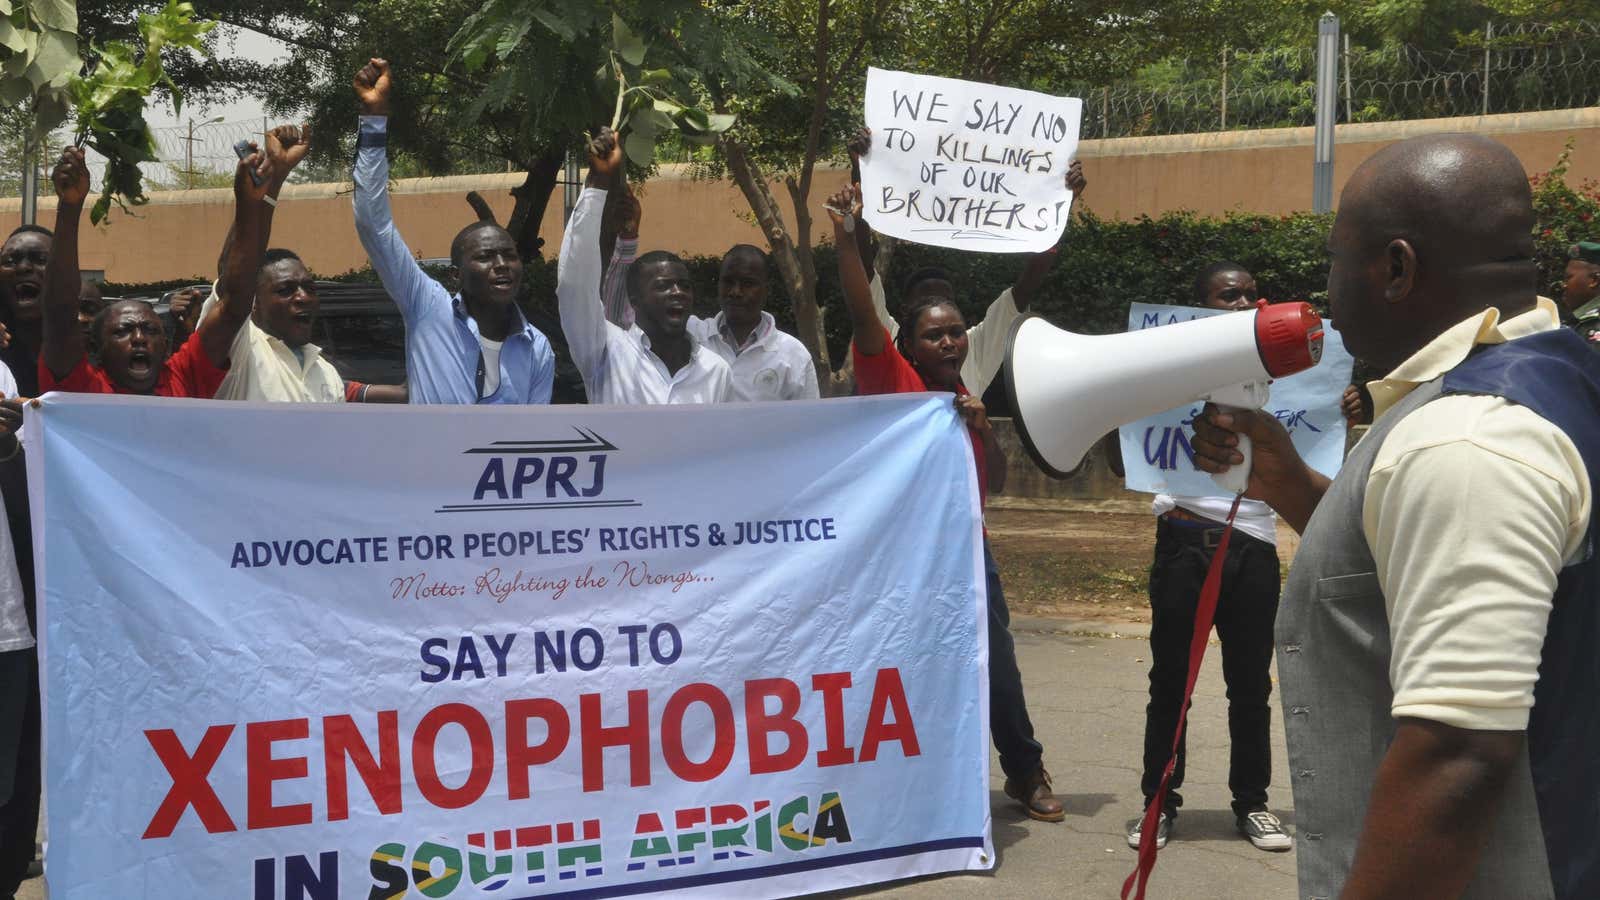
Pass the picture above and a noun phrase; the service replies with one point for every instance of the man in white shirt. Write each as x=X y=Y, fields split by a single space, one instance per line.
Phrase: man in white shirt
x=658 y=361
x=1437 y=633
x=1187 y=532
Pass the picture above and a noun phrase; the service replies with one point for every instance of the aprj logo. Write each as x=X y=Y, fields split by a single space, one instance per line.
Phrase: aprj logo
x=551 y=474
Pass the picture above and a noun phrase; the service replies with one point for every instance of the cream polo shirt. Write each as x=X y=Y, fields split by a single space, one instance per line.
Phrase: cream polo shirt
x=770 y=366
x=263 y=368
x=1473 y=506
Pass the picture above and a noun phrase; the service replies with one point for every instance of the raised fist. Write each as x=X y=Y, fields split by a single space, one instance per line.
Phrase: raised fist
x=286 y=146
x=605 y=155
x=372 y=86
x=71 y=177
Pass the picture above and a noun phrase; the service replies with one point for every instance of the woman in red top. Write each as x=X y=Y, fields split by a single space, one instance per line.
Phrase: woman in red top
x=927 y=356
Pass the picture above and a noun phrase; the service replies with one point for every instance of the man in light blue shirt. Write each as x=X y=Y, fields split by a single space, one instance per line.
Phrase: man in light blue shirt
x=475 y=347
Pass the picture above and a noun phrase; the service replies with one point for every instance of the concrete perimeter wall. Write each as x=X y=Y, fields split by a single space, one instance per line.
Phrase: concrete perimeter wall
x=1267 y=171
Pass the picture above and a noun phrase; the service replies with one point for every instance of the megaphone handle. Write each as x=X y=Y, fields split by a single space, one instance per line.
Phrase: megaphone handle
x=1237 y=478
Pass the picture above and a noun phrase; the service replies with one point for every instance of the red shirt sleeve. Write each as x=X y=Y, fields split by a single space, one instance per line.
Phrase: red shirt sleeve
x=885 y=373
x=190 y=373
x=83 y=379
x=352 y=391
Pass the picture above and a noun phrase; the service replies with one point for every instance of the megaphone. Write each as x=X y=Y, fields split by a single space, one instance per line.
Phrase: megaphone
x=1069 y=389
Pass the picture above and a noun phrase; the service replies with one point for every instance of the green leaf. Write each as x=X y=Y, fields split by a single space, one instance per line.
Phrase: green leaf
x=56 y=14
x=640 y=146
x=656 y=77
x=57 y=58
x=629 y=45
x=5 y=7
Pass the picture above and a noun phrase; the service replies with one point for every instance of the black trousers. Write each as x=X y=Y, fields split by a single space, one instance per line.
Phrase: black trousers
x=1246 y=608
x=1009 y=724
x=19 y=766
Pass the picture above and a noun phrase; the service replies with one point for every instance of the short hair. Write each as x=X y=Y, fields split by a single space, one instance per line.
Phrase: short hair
x=277 y=255
x=1202 y=282
x=31 y=229
x=746 y=251
x=635 y=271
x=926 y=273
x=458 y=244
x=98 y=324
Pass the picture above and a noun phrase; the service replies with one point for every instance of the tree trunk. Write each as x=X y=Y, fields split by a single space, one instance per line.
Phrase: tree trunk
x=791 y=267
x=533 y=198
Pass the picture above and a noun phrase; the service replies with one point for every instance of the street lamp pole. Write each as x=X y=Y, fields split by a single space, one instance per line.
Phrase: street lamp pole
x=1326 y=104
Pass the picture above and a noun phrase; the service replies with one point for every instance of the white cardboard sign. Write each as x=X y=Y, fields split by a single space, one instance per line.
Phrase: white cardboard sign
x=967 y=165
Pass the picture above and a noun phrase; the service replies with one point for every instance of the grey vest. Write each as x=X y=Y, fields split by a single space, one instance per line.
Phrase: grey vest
x=1333 y=664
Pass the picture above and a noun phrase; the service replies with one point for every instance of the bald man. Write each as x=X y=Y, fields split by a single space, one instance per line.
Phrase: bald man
x=1437 y=637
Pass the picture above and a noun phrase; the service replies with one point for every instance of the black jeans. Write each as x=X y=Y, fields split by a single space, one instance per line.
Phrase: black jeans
x=19 y=766
x=1009 y=724
x=1246 y=608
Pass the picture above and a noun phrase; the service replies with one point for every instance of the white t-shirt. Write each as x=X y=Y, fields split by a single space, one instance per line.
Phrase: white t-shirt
x=491 y=364
x=14 y=632
x=1255 y=518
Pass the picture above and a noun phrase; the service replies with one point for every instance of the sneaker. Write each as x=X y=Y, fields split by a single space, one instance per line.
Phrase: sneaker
x=1163 y=828
x=1265 y=831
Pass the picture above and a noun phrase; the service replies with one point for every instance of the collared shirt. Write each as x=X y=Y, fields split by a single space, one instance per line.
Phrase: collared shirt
x=1473 y=506
x=188 y=372
x=986 y=341
x=14 y=631
x=443 y=356
x=769 y=365
x=618 y=366
x=264 y=368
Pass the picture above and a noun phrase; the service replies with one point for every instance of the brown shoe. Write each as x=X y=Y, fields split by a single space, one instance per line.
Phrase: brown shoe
x=1034 y=793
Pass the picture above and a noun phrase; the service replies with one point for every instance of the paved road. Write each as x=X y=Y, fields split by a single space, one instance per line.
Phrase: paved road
x=1087 y=693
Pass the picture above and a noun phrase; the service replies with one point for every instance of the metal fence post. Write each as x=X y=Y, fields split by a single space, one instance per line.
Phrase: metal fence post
x=30 y=174
x=1326 y=103
x=1224 y=126
x=1349 y=107
x=1488 y=35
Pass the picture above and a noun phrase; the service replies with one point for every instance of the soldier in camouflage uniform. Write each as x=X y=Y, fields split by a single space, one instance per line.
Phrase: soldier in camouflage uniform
x=1580 y=298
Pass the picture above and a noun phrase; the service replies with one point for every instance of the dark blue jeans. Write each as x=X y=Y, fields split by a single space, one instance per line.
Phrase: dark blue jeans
x=1009 y=724
x=1246 y=609
x=19 y=766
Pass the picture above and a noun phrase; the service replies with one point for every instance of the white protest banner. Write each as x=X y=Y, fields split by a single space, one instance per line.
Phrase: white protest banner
x=317 y=652
x=1156 y=453
x=967 y=165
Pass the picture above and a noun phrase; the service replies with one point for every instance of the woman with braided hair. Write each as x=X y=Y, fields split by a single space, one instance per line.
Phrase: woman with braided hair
x=927 y=355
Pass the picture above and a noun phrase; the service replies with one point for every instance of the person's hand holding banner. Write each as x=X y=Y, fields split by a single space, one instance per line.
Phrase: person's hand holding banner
x=967 y=165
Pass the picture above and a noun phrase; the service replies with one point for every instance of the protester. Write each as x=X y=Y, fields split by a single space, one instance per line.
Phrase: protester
x=1436 y=637
x=658 y=361
x=476 y=347
x=90 y=302
x=19 y=667
x=766 y=363
x=987 y=339
x=1580 y=294
x=1187 y=532
x=928 y=355
x=132 y=345
x=22 y=261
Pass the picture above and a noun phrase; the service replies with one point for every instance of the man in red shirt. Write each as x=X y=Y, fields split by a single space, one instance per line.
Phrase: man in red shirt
x=133 y=353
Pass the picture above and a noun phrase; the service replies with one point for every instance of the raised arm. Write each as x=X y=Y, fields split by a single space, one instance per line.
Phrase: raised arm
x=391 y=257
x=867 y=331
x=286 y=146
x=578 y=270
x=63 y=338
x=614 y=289
x=242 y=260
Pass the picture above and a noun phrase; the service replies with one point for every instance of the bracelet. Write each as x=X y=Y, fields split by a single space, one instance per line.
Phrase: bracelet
x=362 y=397
x=271 y=200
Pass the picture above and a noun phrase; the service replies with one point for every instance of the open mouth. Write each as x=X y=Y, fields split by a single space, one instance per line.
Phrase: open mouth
x=27 y=291
x=301 y=318
x=139 y=364
x=502 y=282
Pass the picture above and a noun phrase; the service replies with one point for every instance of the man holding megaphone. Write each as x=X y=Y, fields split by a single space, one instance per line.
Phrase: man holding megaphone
x=1436 y=638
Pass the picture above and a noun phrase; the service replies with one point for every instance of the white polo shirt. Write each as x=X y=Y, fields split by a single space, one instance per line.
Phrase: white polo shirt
x=771 y=365
x=261 y=367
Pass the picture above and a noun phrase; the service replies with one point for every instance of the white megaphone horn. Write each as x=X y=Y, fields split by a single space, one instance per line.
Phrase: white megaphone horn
x=1069 y=389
